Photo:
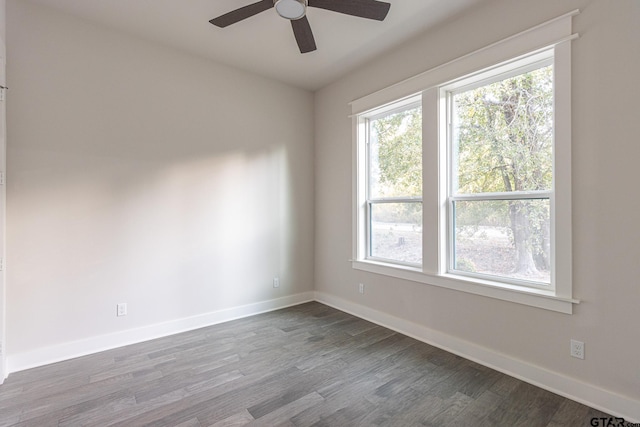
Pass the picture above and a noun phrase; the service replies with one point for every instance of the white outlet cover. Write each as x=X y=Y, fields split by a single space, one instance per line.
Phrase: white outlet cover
x=577 y=349
x=121 y=309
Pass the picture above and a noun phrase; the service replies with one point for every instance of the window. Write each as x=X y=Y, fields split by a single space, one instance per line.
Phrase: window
x=393 y=205
x=462 y=175
x=500 y=175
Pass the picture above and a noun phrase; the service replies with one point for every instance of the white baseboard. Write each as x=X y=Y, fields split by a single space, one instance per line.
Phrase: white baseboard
x=70 y=350
x=587 y=394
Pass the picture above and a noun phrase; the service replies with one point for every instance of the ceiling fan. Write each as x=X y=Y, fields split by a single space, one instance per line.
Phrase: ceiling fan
x=296 y=12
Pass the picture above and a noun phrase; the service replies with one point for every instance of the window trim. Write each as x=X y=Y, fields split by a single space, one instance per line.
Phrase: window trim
x=552 y=36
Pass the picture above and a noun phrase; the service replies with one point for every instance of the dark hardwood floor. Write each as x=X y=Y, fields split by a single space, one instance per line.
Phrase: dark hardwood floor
x=309 y=365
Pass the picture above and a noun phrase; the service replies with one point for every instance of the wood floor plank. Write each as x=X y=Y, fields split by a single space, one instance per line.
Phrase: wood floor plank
x=569 y=413
x=476 y=411
x=354 y=414
x=218 y=403
x=524 y=400
x=452 y=407
x=79 y=407
x=284 y=413
x=407 y=407
x=236 y=420
x=308 y=365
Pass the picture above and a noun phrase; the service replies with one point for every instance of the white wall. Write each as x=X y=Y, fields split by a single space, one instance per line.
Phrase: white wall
x=143 y=175
x=606 y=65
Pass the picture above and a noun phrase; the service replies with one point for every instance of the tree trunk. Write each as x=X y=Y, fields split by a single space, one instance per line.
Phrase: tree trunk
x=543 y=260
x=521 y=227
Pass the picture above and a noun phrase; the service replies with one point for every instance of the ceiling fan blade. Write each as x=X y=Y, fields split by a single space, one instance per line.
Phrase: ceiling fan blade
x=304 y=35
x=242 y=13
x=370 y=9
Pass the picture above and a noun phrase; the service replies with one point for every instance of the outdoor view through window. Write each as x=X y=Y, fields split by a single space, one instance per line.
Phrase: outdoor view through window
x=501 y=177
x=394 y=198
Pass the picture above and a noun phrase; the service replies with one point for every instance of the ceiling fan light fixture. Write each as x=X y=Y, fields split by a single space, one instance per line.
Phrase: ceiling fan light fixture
x=291 y=9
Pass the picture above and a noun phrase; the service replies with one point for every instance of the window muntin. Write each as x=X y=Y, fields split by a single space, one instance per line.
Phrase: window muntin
x=394 y=184
x=500 y=181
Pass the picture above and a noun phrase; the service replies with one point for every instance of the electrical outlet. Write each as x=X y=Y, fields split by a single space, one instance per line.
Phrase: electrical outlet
x=577 y=349
x=361 y=288
x=121 y=309
x=276 y=282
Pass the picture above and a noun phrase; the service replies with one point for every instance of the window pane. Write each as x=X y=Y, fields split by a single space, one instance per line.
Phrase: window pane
x=508 y=238
x=395 y=155
x=396 y=231
x=503 y=135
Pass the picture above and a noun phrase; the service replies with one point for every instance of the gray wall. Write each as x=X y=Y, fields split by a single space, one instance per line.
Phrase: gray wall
x=606 y=63
x=3 y=26
x=143 y=175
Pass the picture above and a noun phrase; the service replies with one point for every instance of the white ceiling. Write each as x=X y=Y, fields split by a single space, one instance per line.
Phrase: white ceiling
x=264 y=44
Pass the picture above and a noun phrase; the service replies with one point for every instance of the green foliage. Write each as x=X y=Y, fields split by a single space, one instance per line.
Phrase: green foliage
x=504 y=135
x=397 y=153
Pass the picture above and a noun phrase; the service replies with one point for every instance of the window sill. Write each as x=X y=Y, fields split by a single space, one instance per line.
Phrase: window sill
x=539 y=298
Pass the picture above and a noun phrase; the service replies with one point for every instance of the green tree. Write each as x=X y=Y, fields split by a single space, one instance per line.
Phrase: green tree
x=399 y=153
x=504 y=144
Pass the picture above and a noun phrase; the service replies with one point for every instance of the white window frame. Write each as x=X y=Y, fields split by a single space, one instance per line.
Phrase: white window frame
x=503 y=71
x=364 y=121
x=551 y=39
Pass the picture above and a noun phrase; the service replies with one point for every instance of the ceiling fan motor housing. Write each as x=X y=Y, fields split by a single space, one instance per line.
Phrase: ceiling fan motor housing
x=291 y=9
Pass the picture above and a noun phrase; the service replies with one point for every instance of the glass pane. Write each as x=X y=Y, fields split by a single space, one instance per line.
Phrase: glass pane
x=503 y=238
x=503 y=135
x=395 y=155
x=396 y=231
